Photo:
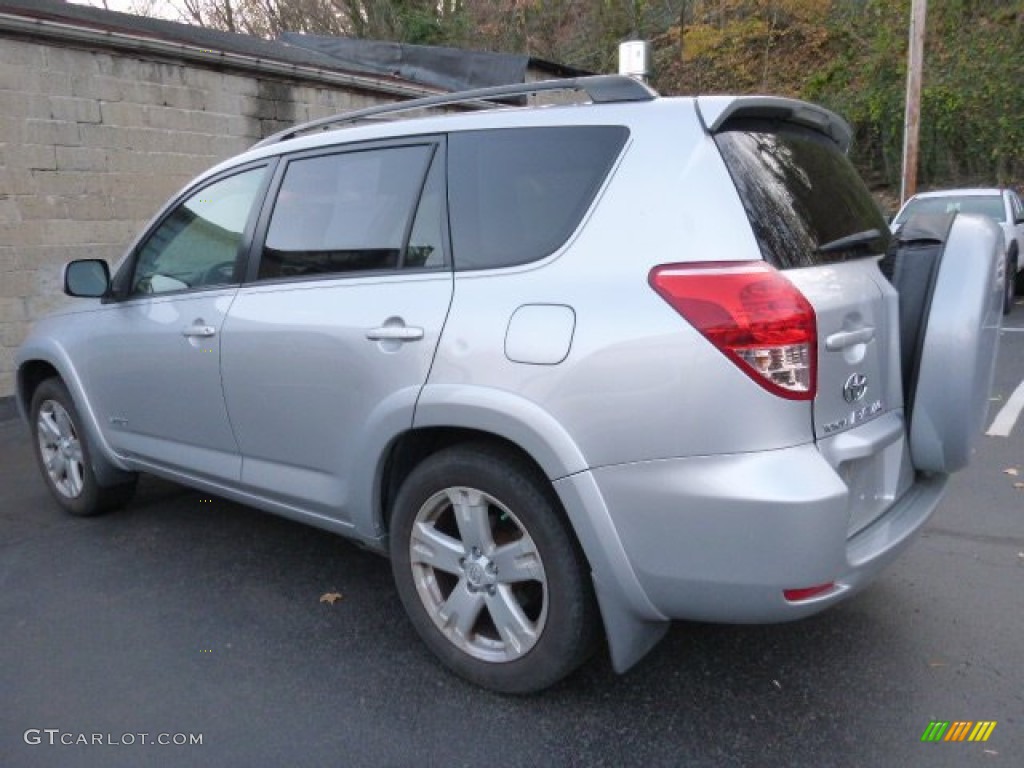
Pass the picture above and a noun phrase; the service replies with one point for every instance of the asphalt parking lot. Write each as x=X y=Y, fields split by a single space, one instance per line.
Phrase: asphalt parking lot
x=188 y=616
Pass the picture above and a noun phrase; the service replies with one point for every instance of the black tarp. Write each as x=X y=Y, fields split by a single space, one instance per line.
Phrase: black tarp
x=450 y=69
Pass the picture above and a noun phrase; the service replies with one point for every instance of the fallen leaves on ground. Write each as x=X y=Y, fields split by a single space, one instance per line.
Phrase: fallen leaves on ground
x=330 y=597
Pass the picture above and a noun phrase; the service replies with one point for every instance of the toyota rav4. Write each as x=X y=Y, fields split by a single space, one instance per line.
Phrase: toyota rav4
x=573 y=368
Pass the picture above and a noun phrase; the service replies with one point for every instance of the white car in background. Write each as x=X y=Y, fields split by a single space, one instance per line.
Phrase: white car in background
x=1001 y=205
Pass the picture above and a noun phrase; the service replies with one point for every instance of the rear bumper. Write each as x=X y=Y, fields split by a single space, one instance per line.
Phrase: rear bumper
x=719 y=538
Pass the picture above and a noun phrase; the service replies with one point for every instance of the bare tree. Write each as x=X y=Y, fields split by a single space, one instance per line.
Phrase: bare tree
x=149 y=8
x=425 y=21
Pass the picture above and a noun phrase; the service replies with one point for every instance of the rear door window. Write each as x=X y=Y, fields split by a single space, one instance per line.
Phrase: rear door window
x=426 y=241
x=806 y=203
x=517 y=194
x=349 y=212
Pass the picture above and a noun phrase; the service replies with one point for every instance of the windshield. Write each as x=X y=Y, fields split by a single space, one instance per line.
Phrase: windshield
x=985 y=205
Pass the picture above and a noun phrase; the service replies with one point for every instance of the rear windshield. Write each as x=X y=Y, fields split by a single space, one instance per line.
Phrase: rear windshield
x=984 y=205
x=806 y=203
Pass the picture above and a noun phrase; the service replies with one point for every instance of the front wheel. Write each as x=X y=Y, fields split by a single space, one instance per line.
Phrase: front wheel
x=489 y=572
x=63 y=456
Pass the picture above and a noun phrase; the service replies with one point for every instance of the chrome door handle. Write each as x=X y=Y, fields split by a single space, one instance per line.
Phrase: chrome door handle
x=845 y=339
x=199 y=331
x=395 y=333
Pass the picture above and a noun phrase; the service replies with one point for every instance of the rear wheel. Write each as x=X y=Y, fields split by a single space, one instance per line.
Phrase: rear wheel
x=63 y=456
x=489 y=572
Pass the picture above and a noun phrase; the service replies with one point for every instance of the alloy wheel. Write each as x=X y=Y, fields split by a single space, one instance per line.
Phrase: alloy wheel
x=60 y=449
x=479 y=574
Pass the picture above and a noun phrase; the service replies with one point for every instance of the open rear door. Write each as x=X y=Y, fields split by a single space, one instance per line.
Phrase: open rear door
x=950 y=276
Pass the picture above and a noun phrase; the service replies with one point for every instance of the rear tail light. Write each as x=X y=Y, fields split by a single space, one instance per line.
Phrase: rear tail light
x=753 y=315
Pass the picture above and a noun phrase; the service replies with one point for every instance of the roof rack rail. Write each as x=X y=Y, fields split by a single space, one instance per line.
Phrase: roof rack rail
x=601 y=89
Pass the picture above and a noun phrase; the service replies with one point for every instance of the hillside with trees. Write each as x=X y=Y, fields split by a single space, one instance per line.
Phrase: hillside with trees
x=849 y=55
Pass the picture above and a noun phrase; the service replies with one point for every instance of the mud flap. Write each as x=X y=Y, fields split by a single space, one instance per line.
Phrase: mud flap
x=947 y=271
x=630 y=638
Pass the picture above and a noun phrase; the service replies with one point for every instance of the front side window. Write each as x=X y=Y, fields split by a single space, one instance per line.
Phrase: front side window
x=197 y=245
x=345 y=213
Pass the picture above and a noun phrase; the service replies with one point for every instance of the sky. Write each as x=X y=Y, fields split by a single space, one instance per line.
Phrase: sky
x=162 y=9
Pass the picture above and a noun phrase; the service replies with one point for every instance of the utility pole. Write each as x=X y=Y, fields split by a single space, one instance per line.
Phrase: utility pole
x=912 y=116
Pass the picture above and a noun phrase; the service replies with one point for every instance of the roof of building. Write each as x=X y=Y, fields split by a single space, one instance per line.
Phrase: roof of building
x=453 y=69
x=429 y=66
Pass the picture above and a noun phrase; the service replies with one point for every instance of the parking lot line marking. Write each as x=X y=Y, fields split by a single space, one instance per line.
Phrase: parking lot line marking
x=1002 y=425
x=1013 y=330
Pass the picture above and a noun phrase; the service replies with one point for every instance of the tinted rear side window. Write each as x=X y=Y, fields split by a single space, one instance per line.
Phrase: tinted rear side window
x=515 y=195
x=802 y=195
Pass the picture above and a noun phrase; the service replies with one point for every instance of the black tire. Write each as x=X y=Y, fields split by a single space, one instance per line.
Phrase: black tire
x=1011 y=283
x=514 y=508
x=64 y=457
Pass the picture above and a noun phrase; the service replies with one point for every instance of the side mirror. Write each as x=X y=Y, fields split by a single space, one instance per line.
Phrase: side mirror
x=87 y=278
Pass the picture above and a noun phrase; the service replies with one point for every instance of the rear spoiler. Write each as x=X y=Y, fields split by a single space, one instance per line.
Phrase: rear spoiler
x=716 y=111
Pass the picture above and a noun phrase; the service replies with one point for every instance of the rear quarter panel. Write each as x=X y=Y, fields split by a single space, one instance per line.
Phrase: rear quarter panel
x=639 y=382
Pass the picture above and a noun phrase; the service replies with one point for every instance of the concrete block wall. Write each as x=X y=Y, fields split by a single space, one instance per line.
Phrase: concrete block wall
x=93 y=143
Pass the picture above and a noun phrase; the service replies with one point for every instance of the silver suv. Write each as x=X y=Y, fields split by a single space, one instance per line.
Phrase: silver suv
x=612 y=363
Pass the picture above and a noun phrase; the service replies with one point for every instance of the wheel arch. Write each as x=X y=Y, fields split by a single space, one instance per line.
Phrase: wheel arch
x=30 y=375
x=443 y=418
x=412 y=447
x=35 y=364
x=447 y=415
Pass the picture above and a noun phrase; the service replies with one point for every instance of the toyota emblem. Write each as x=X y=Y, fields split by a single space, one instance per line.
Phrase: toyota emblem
x=855 y=388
